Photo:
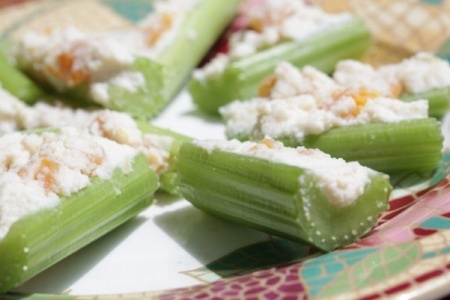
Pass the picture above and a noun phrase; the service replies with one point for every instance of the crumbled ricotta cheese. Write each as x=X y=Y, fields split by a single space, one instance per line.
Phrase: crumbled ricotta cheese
x=67 y=57
x=37 y=170
x=307 y=102
x=341 y=182
x=213 y=69
x=161 y=26
x=116 y=126
x=419 y=73
x=291 y=81
x=271 y=22
x=123 y=129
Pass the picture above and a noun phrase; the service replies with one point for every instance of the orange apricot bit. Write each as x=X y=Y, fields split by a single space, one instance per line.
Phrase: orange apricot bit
x=396 y=90
x=266 y=86
x=64 y=70
x=256 y=24
x=154 y=161
x=45 y=172
x=361 y=97
x=155 y=34
x=268 y=143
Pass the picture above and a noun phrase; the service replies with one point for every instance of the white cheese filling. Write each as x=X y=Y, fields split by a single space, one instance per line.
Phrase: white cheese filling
x=116 y=126
x=305 y=102
x=271 y=22
x=37 y=170
x=342 y=183
x=419 y=73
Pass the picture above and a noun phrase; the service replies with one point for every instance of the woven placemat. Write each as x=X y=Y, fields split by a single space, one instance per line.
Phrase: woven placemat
x=400 y=27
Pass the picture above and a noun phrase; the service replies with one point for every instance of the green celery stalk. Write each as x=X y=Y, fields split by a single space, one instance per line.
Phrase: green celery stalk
x=40 y=240
x=198 y=34
x=17 y=83
x=241 y=78
x=166 y=75
x=438 y=100
x=270 y=197
x=412 y=145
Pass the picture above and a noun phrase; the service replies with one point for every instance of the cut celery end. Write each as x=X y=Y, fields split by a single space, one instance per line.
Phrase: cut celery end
x=168 y=178
x=145 y=102
x=198 y=34
x=438 y=101
x=42 y=239
x=412 y=145
x=17 y=83
x=268 y=196
x=242 y=77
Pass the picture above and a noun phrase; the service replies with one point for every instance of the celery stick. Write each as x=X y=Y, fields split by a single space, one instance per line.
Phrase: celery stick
x=17 y=83
x=438 y=100
x=38 y=241
x=276 y=198
x=197 y=36
x=241 y=78
x=412 y=145
x=166 y=75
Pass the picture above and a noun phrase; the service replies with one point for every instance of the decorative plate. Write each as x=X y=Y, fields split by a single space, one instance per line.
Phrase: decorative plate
x=174 y=251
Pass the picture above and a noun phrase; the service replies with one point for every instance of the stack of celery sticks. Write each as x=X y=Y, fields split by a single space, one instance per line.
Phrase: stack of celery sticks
x=322 y=187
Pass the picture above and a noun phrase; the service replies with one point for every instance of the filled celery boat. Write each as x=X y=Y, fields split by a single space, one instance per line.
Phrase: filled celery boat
x=159 y=145
x=69 y=202
x=356 y=122
x=241 y=77
x=279 y=197
x=138 y=70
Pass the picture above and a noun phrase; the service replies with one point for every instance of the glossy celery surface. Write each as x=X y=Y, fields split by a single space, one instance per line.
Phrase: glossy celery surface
x=268 y=196
x=17 y=83
x=438 y=101
x=413 y=145
x=40 y=240
x=198 y=34
x=241 y=78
